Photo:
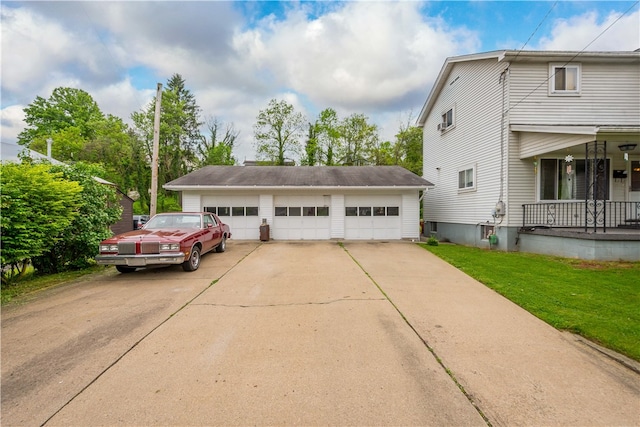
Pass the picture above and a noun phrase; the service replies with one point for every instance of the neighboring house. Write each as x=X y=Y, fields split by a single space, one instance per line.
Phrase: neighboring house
x=540 y=149
x=125 y=223
x=308 y=202
x=10 y=152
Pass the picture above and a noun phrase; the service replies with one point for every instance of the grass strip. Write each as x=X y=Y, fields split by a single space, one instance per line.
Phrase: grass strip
x=18 y=288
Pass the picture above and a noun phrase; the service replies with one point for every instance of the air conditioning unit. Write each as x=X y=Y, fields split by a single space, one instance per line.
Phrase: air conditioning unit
x=442 y=126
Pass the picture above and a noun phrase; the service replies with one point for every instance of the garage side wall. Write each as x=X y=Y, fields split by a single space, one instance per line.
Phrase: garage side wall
x=191 y=201
x=337 y=216
x=410 y=215
x=266 y=211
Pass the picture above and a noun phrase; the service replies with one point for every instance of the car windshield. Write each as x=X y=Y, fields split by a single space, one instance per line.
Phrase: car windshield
x=173 y=221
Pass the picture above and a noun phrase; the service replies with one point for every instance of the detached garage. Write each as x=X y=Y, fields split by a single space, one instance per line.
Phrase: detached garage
x=308 y=202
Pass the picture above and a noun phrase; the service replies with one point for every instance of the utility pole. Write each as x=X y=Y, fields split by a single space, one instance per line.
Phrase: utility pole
x=154 y=157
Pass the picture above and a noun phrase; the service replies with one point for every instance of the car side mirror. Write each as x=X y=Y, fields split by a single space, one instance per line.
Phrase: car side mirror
x=209 y=225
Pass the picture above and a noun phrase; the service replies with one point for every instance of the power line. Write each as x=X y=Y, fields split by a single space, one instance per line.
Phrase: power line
x=536 y=30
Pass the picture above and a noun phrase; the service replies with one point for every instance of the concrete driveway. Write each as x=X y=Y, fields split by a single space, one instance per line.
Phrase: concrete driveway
x=300 y=333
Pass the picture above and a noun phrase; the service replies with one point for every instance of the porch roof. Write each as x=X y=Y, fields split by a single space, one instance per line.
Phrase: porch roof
x=540 y=139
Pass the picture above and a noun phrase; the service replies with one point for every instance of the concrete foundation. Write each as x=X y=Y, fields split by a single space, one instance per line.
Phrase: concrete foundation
x=615 y=245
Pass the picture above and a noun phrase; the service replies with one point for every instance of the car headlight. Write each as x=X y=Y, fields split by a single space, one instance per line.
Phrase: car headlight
x=169 y=246
x=108 y=248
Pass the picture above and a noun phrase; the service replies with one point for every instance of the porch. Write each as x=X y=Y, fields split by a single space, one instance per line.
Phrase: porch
x=591 y=230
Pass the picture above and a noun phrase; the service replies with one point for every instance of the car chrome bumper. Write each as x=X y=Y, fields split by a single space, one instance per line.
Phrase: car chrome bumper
x=141 y=260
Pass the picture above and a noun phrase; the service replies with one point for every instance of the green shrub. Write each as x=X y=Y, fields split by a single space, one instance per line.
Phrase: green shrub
x=432 y=241
x=77 y=245
x=37 y=206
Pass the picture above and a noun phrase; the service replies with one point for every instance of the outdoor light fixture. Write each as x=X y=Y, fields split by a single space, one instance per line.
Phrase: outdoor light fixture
x=627 y=147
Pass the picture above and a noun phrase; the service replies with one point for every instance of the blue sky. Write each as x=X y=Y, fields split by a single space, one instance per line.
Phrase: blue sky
x=376 y=58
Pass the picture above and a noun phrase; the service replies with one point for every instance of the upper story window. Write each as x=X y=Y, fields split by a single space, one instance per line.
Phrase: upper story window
x=447 y=120
x=564 y=79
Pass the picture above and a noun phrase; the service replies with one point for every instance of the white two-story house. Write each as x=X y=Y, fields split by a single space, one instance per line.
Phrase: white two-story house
x=536 y=151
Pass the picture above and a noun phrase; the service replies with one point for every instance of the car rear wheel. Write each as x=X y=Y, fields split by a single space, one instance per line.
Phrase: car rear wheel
x=193 y=262
x=223 y=245
x=125 y=269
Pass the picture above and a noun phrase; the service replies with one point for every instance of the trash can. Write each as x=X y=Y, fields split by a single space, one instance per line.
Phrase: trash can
x=493 y=239
x=264 y=231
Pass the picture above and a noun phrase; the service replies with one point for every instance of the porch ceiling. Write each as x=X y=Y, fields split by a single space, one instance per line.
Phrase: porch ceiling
x=536 y=140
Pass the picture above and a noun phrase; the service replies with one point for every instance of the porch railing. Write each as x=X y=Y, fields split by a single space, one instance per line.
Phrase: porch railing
x=591 y=214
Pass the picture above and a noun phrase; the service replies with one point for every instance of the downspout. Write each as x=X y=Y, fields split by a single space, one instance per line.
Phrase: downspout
x=500 y=209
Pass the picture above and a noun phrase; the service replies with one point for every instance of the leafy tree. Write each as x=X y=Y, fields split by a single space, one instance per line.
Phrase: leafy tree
x=311 y=148
x=216 y=151
x=37 y=205
x=179 y=132
x=81 y=132
x=76 y=245
x=278 y=131
x=69 y=116
x=382 y=154
x=328 y=135
x=358 y=137
x=114 y=147
x=67 y=144
x=409 y=147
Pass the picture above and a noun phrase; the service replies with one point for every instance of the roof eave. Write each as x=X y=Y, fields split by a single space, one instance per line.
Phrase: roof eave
x=292 y=187
x=499 y=55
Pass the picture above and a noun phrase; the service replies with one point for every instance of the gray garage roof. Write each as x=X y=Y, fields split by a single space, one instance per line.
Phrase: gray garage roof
x=219 y=177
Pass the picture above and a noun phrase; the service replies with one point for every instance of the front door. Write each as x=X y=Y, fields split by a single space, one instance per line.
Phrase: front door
x=634 y=181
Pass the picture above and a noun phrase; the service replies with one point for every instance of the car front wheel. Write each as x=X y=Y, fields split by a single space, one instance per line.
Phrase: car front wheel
x=193 y=262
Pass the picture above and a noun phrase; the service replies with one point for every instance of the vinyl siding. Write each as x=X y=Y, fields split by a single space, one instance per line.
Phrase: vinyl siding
x=521 y=179
x=410 y=214
x=476 y=93
x=191 y=201
x=535 y=144
x=337 y=216
x=265 y=208
x=126 y=219
x=609 y=96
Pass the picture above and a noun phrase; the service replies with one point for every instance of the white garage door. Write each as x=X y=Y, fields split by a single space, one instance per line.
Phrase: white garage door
x=241 y=213
x=373 y=217
x=301 y=218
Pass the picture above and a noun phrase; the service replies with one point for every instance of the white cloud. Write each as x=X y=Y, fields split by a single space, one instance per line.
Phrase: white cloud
x=121 y=99
x=376 y=58
x=577 y=32
x=24 y=32
x=39 y=54
x=363 y=56
x=12 y=120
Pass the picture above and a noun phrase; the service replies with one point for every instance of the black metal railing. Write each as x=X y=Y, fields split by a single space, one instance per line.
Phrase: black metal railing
x=592 y=214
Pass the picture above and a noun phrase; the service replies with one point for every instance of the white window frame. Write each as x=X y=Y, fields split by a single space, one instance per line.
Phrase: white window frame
x=556 y=184
x=553 y=67
x=473 y=170
x=444 y=124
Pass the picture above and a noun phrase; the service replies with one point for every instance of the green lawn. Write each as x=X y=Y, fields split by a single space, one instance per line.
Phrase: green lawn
x=598 y=300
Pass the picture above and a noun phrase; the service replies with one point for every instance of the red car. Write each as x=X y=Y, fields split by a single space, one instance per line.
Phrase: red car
x=167 y=238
